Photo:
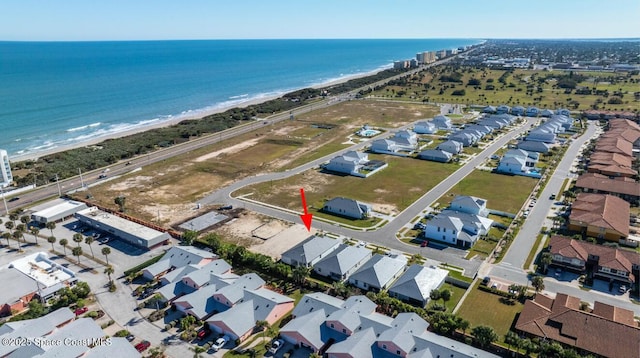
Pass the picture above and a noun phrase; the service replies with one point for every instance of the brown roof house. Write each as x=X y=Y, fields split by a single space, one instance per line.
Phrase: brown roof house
x=597 y=261
x=615 y=145
x=624 y=188
x=607 y=331
x=601 y=216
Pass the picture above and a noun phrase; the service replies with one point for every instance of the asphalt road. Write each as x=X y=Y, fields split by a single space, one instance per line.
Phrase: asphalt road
x=386 y=235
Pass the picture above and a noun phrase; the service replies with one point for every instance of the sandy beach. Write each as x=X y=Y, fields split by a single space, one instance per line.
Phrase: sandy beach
x=170 y=122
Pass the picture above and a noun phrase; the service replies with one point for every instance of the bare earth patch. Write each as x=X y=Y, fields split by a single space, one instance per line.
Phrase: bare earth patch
x=233 y=149
x=283 y=241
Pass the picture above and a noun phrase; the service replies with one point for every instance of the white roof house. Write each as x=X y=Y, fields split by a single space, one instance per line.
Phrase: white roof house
x=425 y=127
x=416 y=284
x=348 y=163
x=379 y=272
x=310 y=251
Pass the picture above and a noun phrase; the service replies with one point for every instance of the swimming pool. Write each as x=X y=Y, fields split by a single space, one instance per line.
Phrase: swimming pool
x=368 y=132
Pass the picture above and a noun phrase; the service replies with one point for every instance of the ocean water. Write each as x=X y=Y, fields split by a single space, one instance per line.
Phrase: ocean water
x=55 y=94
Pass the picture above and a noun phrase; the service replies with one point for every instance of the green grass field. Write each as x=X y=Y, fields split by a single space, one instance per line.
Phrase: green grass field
x=456 y=295
x=484 y=308
x=502 y=192
x=520 y=87
x=398 y=185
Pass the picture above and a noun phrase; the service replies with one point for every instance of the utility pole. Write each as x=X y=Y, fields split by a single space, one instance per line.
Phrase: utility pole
x=58 y=183
x=81 y=180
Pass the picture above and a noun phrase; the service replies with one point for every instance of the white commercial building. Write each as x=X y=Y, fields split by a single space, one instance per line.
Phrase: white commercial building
x=5 y=169
x=57 y=210
x=130 y=231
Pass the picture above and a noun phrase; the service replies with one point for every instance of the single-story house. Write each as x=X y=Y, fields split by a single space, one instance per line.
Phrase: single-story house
x=310 y=251
x=546 y=113
x=518 y=111
x=347 y=207
x=534 y=146
x=442 y=122
x=378 y=272
x=435 y=155
x=178 y=256
x=342 y=262
x=415 y=284
x=502 y=109
x=489 y=109
x=532 y=111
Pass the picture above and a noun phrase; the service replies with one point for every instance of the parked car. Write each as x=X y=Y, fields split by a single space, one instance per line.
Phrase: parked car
x=220 y=342
x=131 y=337
x=80 y=311
x=142 y=346
x=552 y=197
x=622 y=289
x=486 y=280
x=202 y=333
x=276 y=345
x=102 y=176
x=15 y=198
x=424 y=243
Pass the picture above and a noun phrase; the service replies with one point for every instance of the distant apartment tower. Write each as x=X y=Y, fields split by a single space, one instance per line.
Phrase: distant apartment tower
x=441 y=54
x=402 y=64
x=5 y=169
x=426 y=57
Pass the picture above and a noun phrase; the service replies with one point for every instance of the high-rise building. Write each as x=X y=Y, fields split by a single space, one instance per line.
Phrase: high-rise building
x=5 y=169
x=426 y=57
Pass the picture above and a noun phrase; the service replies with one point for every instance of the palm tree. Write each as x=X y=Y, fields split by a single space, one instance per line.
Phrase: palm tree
x=77 y=251
x=16 y=236
x=20 y=230
x=106 y=251
x=51 y=225
x=545 y=260
x=25 y=219
x=51 y=240
x=538 y=283
x=35 y=231
x=7 y=235
x=197 y=351
x=108 y=271
x=78 y=238
x=89 y=240
x=10 y=225
x=64 y=243
x=300 y=274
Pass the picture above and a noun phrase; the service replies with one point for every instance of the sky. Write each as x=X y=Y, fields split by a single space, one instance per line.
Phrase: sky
x=83 y=20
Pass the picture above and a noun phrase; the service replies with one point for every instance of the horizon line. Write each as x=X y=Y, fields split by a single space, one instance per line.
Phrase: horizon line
x=340 y=38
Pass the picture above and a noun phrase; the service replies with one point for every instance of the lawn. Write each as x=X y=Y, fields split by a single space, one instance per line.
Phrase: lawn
x=502 y=192
x=397 y=186
x=520 y=87
x=481 y=248
x=456 y=295
x=484 y=308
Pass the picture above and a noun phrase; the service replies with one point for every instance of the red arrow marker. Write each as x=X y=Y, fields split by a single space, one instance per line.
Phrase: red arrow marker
x=306 y=217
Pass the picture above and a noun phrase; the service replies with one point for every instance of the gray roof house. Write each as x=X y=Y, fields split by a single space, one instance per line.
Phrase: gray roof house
x=233 y=293
x=532 y=111
x=466 y=138
x=546 y=113
x=450 y=146
x=200 y=303
x=240 y=320
x=310 y=251
x=470 y=204
x=360 y=332
x=489 y=109
x=563 y=112
x=342 y=262
x=425 y=127
x=360 y=345
x=178 y=256
x=517 y=110
x=312 y=302
x=416 y=284
x=442 y=122
x=503 y=108
x=347 y=207
x=436 y=155
x=348 y=163
x=534 y=146
x=379 y=272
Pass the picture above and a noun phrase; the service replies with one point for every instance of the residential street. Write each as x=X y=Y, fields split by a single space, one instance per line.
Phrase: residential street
x=386 y=235
x=510 y=268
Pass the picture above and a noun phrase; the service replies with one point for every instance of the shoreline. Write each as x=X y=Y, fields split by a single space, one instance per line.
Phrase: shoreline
x=173 y=121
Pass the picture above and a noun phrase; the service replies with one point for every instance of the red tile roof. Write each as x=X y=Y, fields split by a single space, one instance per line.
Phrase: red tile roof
x=621 y=260
x=603 y=183
x=611 y=158
x=563 y=322
x=615 y=145
x=603 y=211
